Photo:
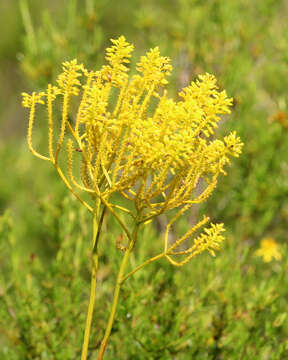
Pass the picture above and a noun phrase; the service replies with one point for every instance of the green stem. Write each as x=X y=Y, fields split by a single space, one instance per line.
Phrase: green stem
x=116 y=294
x=66 y=182
x=109 y=206
x=157 y=257
x=96 y=232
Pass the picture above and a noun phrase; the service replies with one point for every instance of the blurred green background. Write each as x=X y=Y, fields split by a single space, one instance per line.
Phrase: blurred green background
x=231 y=307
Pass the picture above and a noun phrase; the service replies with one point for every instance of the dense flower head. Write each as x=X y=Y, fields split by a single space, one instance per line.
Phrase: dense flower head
x=118 y=56
x=153 y=155
x=68 y=80
x=154 y=67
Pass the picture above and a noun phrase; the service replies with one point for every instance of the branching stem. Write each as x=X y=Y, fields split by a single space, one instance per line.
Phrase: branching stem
x=97 y=224
x=157 y=257
x=117 y=292
x=66 y=182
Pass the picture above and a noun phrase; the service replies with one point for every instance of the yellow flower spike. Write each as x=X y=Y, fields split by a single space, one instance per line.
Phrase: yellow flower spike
x=70 y=151
x=155 y=68
x=120 y=52
x=85 y=176
x=68 y=81
x=52 y=92
x=89 y=75
x=69 y=84
x=208 y=103
x=209 y=240
x=117 y=55
x=131 y=139
x=26 y=100
x=30 y=101
x=233 y=144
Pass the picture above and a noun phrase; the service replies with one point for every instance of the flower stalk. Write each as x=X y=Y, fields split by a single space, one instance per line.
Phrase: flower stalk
x=116 y=295
x=97 y=224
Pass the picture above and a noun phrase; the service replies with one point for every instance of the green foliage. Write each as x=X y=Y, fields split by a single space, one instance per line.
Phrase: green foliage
x=42 y=304
x=165 y=313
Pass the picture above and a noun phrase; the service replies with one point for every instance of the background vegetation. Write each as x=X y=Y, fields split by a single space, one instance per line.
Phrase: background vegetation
x=231 y=307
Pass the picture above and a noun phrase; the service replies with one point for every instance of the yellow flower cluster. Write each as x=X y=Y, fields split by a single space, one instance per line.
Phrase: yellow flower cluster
x=147 y=147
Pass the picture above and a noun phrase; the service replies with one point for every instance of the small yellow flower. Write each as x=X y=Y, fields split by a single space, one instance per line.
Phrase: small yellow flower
x=269 y=249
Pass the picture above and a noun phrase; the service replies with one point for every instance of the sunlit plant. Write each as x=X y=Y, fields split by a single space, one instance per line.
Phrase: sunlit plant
x=144 y=147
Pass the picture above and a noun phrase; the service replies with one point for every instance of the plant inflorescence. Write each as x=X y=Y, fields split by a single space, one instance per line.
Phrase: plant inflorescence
x=134 y=142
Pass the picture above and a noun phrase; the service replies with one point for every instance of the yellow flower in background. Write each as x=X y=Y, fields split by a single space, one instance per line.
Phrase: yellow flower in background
x=269 y=249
